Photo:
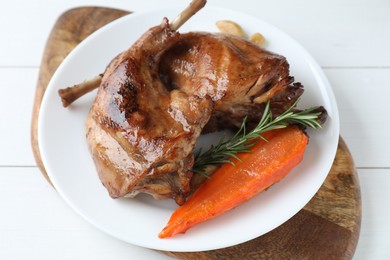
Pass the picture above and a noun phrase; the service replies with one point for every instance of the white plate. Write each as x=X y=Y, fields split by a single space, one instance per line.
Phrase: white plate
x=138 y=221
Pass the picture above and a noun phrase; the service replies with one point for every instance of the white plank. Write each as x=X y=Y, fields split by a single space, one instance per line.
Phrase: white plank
x=35 y=222
x=362 y=96
x=335 y=32
x=31 y=25
x=16 y=101
x=375 y=229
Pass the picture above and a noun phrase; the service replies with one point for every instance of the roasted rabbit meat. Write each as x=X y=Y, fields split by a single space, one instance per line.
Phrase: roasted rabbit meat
x=156 y=98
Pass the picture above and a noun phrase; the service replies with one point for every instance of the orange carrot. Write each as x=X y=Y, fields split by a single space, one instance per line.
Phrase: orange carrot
x=230 y=186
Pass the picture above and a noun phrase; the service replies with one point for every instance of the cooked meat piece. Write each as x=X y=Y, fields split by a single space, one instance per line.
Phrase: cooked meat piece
x=140 y=134
x=239 y=76
x=156 y=98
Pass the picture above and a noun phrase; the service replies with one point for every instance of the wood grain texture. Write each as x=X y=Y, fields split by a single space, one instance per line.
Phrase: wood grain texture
x=328 y=226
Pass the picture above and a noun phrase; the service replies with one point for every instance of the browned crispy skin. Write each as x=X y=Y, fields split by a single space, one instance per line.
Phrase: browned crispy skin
x=138 y=130
x=156 y=98
x=240 y=77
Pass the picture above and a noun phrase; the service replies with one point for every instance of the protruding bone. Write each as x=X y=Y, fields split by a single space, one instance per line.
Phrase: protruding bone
x=187 y=13
x=70 y=94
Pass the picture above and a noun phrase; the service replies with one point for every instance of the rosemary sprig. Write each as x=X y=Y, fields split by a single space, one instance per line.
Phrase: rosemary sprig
x=243 y=141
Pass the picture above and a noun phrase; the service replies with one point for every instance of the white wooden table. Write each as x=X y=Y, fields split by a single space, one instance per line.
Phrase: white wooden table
x=350 y=39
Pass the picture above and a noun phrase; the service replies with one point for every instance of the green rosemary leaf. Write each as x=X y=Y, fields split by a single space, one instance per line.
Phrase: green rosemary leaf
x=242 y=141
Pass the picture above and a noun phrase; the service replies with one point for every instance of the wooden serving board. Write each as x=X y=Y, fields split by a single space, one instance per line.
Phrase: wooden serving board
x=326 y=228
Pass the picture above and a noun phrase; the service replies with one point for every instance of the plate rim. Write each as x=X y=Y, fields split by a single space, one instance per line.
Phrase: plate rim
x=314 y=65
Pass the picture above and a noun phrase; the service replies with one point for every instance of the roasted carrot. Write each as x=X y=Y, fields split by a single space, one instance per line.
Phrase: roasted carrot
x=230 y=186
